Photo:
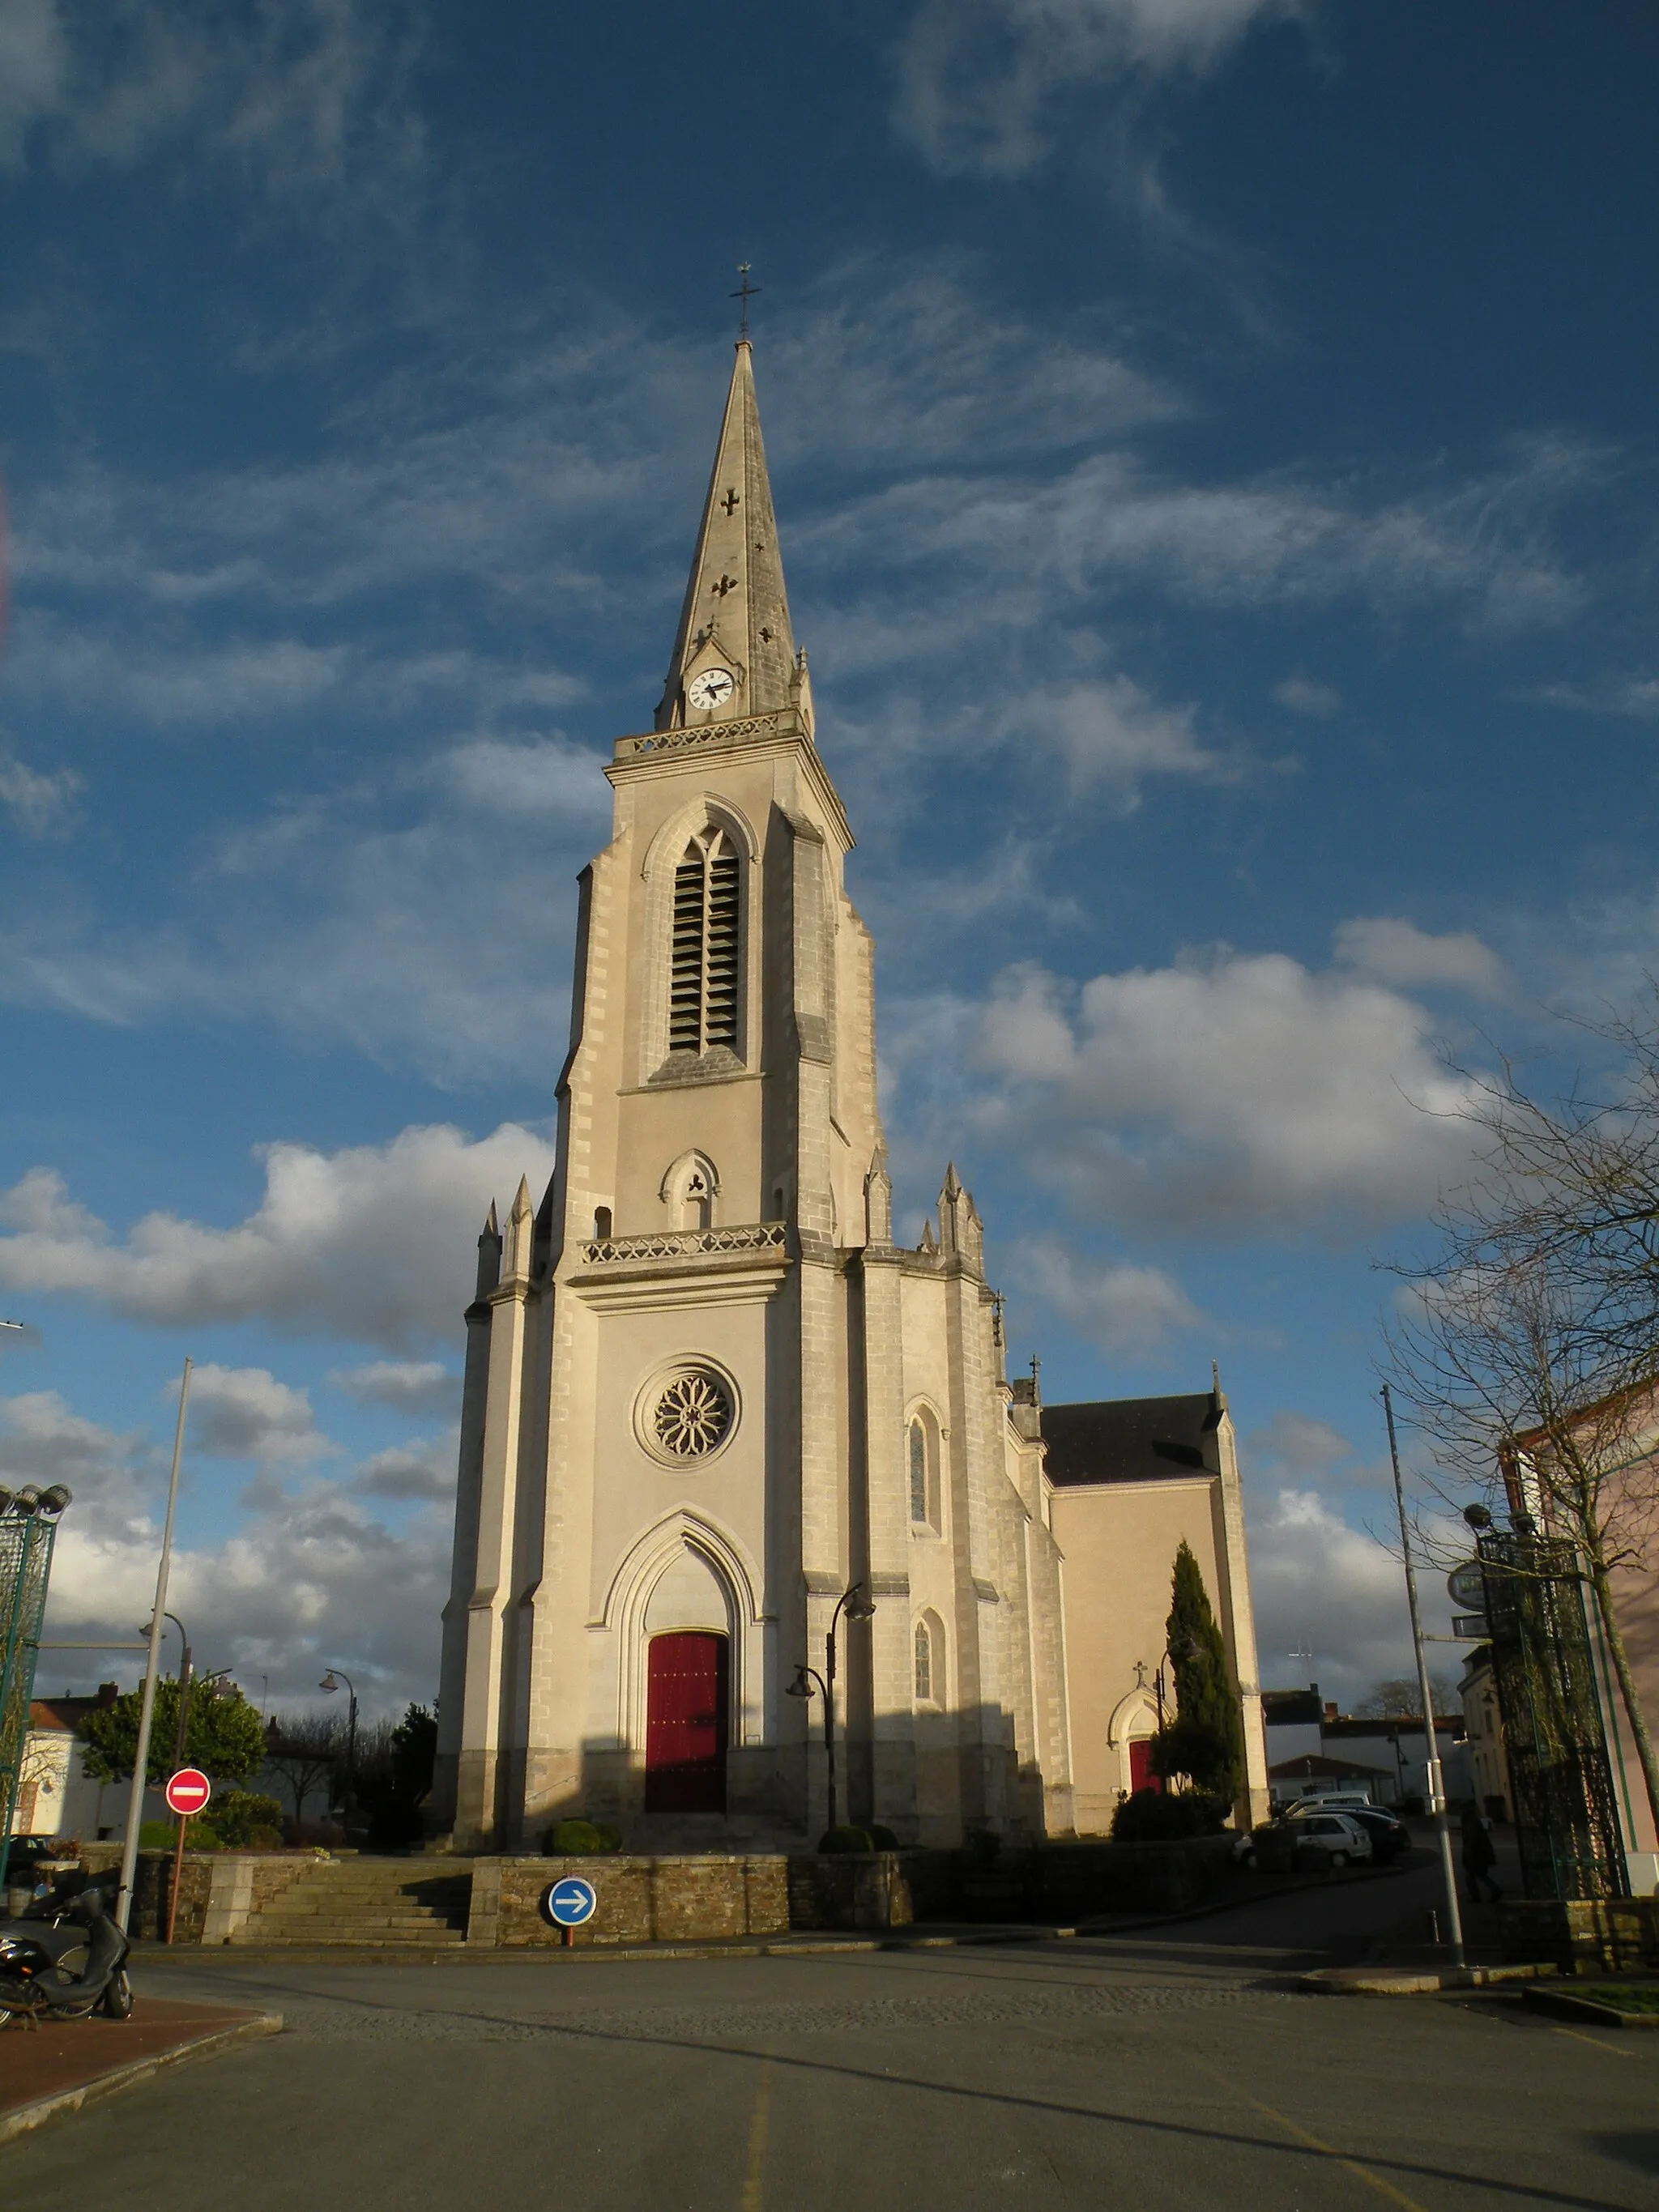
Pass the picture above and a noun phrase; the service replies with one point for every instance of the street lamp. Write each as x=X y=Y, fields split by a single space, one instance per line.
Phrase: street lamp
x=330 y=1683
x=857 y=1607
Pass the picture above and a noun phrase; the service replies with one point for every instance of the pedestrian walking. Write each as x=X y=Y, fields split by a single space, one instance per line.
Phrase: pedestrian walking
x=1479 y=1857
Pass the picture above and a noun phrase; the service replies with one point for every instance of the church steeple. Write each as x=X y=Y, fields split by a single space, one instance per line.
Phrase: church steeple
x=734 y=654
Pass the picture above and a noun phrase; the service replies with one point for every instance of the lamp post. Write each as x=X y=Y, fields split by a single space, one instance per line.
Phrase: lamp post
x=1437 y=1798
x=857 y=1607
x=330 y=1684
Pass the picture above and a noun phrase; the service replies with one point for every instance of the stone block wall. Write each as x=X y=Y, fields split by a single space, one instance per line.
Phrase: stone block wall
x=1611 y=1935
x=216 y=1893
x=641 y=1900
x=852 y=1889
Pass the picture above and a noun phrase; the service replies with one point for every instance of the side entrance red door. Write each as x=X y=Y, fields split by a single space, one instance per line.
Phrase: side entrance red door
x=686 y=1723
x=1141 y=1776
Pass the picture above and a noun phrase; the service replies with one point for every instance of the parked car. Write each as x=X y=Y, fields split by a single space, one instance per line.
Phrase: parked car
x=1339 y=1800
x=1389 y=1835
x=1337 y=1838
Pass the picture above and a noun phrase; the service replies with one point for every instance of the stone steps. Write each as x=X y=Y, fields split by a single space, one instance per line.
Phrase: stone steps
x=368 y=1903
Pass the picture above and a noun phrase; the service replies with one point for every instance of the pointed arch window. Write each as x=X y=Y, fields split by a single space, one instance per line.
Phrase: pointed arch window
x=924 y=1651
x=705 y=950
x=918 y=1472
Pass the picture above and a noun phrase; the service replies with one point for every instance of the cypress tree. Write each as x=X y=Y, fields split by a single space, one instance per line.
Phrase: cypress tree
x=1207 y=1739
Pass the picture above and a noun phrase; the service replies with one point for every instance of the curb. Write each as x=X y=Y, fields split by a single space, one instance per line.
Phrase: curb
x=1410 y=1982
x=807 y=1944
x=23 y=2117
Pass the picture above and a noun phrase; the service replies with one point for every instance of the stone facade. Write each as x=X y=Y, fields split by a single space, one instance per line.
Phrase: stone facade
x=707 y=1395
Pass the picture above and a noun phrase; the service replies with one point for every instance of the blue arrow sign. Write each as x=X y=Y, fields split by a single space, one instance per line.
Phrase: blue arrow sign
x=568 y=1903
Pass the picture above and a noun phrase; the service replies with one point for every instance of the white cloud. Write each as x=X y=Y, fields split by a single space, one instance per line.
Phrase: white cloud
x=402 y=1471
x=375 y=1245
x=1125 y=1310
x=429 y=940
x=424 y=1388
x=307 y=1577
x=42 y=1441
x=245 y=1412
x=1637 y=696
x=1295 y=1445
x=1319 y=1581
x=978 y=78
x=1235 y=1094
x=38 y=801
x=33 y=61
x=1397 y=951
x=297 y=91
x=1111 y=735
x=1303 y=695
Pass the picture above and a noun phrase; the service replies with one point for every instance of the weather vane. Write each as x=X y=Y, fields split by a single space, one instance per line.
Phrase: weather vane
x=745 y=292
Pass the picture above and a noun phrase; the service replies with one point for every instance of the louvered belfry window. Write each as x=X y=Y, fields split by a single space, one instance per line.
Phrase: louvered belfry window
x=703 y=985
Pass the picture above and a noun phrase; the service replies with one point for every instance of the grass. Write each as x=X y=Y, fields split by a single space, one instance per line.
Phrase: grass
x=1624 y=1996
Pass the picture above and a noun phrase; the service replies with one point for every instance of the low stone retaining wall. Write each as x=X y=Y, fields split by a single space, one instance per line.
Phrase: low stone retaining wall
x=217 y=1890
x=641 y=1900
x=1611 y=1935
x=854 y=1889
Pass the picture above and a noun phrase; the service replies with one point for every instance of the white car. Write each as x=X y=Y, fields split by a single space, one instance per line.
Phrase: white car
x=1337 y=1836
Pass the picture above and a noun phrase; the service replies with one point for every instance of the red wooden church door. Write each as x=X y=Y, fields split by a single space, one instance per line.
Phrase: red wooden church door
x=1141 y=1776
x=686 y=1725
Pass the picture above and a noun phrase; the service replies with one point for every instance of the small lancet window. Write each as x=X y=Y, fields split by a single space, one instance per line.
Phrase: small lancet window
x=918 y=1472
x=924 y=1664
x=703 y=959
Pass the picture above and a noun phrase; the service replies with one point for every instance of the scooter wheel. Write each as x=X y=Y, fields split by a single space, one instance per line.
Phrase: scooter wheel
x=118 y=1998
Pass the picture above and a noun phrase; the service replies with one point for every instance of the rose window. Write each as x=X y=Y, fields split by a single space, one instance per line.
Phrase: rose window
x=692 y=1415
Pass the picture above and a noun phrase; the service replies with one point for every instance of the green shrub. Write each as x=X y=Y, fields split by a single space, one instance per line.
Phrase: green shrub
x=846 y=1838
x=1159 y=1816
x=580 y=1840
x=883 y=1839
x=242 y=1820
x=163 y=1836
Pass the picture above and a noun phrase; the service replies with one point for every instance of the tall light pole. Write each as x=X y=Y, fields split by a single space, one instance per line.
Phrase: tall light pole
x=1433 y=1774
x=330 y=1684
x=152 y=1667
x=857 y=1607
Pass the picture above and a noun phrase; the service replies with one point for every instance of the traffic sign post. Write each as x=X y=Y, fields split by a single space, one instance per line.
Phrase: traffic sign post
x=187 y=1792
x=568 y=1904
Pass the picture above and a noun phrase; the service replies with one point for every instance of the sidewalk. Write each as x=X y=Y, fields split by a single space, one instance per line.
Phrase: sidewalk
x=63 y=2065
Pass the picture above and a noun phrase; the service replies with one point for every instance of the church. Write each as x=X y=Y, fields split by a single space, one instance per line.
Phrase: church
x=753 y=1532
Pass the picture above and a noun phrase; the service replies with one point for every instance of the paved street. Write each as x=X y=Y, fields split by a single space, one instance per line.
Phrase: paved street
x=1170 y=2068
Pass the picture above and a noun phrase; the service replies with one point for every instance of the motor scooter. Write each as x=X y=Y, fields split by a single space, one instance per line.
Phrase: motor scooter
x=63 y=1961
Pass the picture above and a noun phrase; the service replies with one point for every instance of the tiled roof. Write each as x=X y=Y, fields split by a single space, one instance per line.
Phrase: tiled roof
x=1131 y=1439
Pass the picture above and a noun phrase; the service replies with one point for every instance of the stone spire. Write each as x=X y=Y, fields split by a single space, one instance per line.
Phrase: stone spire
x=734 y=631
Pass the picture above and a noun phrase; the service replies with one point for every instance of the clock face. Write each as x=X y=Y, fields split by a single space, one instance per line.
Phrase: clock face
x=712 y=688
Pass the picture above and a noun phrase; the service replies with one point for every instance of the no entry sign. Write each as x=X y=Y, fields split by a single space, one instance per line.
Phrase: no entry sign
x=188 y=1791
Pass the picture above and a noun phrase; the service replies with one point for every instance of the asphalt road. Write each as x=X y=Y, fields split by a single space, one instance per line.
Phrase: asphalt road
x=1169 y=2068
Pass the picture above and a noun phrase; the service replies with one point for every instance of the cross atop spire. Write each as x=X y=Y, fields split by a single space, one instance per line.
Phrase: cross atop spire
x=734 y=654
x=745 y=292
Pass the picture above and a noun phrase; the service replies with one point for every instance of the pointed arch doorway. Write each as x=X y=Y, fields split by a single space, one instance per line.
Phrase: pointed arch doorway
x=688 y=1710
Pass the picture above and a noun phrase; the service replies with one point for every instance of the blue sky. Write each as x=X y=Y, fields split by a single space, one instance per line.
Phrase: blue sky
x=1212 y=447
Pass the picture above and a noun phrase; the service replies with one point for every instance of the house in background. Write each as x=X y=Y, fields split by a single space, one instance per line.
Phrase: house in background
x=54 y=1797
x=1484 y=1727
x=1313 y=1749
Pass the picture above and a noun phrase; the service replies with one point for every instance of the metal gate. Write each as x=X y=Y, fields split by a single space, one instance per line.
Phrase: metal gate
x=1566 y=1822
x=26 y=1535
